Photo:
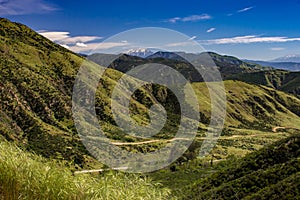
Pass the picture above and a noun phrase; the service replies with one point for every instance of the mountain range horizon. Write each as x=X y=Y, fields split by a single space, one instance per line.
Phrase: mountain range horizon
x=140 y=52
x=279 y=63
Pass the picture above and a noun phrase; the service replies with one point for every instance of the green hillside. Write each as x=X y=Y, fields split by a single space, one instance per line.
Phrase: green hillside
x=277 y=79
x=36 y=85
x=253 y=106
x=231 y=68
x=36 y=81
x=270 y=173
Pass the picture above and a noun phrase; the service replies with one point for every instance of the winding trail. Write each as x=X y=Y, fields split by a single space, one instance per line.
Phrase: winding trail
x=275 y=130
x=98 y=170
x=281 y=127
x=146 y=142
x=170 y=140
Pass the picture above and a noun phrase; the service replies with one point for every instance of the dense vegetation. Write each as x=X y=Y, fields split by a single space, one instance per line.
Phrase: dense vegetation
x=43 y=147
x=258 y=175
x=37 y=77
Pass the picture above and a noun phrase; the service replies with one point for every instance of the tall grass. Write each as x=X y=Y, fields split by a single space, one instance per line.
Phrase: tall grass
x=27 y=176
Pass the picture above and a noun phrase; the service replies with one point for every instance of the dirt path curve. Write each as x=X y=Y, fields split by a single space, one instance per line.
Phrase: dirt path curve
x=281 y=127
x=199 y=138
x=275 y=129
x=146 y=142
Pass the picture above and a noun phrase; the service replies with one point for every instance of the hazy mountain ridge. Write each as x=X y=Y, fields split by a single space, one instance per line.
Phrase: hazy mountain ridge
x=288 y=58
x=290 y=66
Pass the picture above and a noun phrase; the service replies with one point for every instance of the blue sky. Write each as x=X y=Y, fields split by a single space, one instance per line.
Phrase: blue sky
x=253 y=29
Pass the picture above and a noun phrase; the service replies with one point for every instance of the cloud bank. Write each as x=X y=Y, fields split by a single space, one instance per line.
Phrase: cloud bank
x=80 y=44
x=249 y=39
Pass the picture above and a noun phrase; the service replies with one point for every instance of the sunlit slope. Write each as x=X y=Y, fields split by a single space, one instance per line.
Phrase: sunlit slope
x=252 y=106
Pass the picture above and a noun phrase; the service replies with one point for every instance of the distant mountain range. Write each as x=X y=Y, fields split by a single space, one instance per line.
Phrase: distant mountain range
x=231 y=68
x=288 y=58
x=290 y=66
x=227 y=65
x=289 y=62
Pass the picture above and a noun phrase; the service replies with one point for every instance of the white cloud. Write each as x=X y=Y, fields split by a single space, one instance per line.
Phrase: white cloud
x=245 y=9
x=277 y=49
x=249 y=39
x=178 y=44
x=98 y=46
x=54 y=35
x=65 y=38
x=174 y=20
x=211 y=30
x=192 y=18
x=23 y=7
x=192 y=38
x=64 y=45
x=80 y=44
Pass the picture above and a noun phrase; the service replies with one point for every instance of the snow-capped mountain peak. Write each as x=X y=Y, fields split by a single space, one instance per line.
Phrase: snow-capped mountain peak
x=140 y=52
x=288 y=58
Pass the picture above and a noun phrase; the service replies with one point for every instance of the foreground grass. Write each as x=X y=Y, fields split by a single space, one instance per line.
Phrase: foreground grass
x=27 y=176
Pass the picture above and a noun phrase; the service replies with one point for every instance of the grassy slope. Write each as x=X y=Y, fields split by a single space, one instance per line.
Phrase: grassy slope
x=277 y=79
x=27 y=176
x=251 y=105
x=36 y=84
x=255 y=175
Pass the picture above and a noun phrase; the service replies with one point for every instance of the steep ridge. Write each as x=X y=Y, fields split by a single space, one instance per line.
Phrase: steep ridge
x=36 y=84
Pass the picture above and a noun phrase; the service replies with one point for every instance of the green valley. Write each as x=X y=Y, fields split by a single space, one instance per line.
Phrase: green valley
x=256 y=156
